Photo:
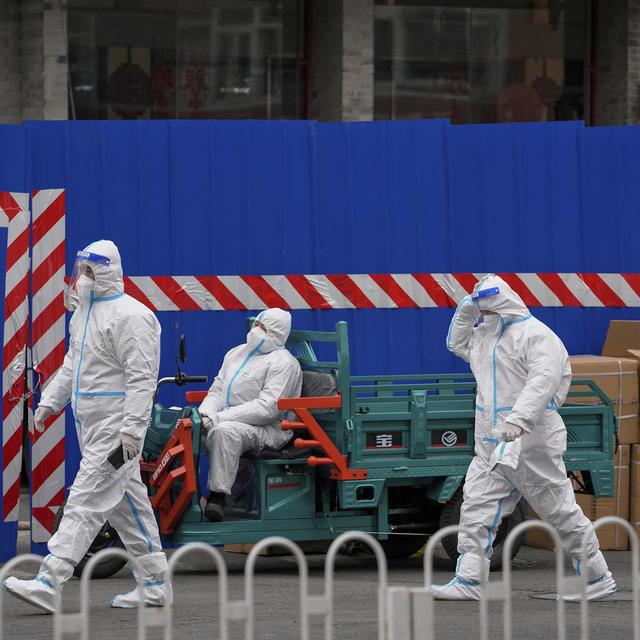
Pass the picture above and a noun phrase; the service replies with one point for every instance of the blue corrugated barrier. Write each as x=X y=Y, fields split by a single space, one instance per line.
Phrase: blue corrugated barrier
x=237 y=198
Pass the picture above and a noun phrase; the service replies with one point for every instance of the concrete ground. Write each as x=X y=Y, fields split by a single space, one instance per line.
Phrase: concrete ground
x=355 y=611
x=276 y=589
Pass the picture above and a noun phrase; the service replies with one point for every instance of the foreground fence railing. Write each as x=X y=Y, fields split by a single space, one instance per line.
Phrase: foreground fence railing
x=404 y=612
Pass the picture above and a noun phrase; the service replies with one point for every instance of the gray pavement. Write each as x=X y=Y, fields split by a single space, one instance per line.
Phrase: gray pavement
x=276 y=589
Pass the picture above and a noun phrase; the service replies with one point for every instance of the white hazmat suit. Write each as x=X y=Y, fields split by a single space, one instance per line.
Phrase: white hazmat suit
x=523 y=375
x=109 y=375
x=243 y=399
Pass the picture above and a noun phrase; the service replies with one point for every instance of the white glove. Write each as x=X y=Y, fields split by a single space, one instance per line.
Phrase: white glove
x=42 y=413
x=209 y=422
x=130 y=446
x=508 y=432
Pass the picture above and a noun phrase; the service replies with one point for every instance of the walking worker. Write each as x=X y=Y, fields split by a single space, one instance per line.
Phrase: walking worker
x=523 y=375
x=109 y=375
x=240 y=411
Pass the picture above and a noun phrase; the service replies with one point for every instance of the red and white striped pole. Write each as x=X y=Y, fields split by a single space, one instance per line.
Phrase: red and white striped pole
x=48 y=350
x=14 y=214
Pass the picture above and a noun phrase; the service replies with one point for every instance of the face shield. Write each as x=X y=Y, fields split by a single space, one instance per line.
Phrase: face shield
x=480 y=296
x=83 y=276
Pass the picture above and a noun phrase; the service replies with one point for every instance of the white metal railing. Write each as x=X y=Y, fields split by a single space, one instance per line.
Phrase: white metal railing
x=404 y=613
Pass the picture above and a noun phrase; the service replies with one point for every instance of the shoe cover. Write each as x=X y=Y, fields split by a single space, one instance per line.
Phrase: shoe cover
x=156 y=594
x=34 y=592
x=157 y=591
x=41 y=592
x=457 y=589
x=597 y=589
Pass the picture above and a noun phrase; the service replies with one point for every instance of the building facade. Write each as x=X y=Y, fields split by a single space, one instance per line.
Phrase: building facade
x=471 y=61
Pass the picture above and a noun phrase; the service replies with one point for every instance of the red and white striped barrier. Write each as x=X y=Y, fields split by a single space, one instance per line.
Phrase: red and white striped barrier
x=48 y=349
x=376 y=291
x=14 y=214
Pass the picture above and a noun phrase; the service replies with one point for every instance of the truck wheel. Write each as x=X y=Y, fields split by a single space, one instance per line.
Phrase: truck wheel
x=106 y=538
x=451 y=515
x=402 y=546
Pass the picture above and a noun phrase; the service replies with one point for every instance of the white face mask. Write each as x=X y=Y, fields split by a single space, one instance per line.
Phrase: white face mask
x=85 y=286
x=257 y=338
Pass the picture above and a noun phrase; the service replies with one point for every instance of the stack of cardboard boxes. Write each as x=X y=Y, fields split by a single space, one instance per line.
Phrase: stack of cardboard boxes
x=616 y=373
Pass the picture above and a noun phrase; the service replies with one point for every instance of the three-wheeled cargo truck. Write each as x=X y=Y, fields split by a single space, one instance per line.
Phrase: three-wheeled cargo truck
x=381 y=454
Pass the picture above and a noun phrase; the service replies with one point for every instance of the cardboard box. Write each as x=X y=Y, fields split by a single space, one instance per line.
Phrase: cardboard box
x=628 y=426
x=634 y=489
x=610 y=536
x=311 y=547
x=622 y=335
x=617 y=377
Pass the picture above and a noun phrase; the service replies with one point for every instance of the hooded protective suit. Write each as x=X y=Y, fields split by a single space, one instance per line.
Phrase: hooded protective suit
x=523 y=375
x=244 y=395
x=109 y=375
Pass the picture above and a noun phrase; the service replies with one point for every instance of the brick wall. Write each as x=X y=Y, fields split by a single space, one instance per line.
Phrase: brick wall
x=54 y=54
x=617 y=63
x=343 y=38
x=357 y=62
x=10 y=83
x=33 y=61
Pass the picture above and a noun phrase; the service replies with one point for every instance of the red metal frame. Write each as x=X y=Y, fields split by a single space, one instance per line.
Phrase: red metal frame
x=159 y=475
x=302 y=406
x=318 y=438
x=195 y=397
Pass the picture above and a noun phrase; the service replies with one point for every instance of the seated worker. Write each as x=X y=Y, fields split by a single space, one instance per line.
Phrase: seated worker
x=240 y=412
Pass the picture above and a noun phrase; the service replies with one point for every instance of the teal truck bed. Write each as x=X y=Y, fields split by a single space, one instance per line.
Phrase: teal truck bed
x=382 y=454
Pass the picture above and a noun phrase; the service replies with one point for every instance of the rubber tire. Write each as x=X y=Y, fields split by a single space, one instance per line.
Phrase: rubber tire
x=396 y=547
x=451 y=515
x=106 y=568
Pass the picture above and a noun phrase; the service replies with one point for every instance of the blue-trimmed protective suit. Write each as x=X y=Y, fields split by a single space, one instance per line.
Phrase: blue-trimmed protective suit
x=523 y=375
x=243 y=399
x=109 y=375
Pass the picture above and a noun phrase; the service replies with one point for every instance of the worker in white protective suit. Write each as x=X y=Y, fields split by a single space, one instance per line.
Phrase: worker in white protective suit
x=523 y=375
x=109 y=375
x=240 y=411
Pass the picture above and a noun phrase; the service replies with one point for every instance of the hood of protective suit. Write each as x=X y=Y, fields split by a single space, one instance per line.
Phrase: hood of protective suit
x=109 y=279
x=278 y=324
x=505 y=301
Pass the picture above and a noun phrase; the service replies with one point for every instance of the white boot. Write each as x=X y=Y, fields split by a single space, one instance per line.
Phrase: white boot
x=457 y=589
x=601 y=583
x=156 y=592
x=41 y=592
x=466 y=581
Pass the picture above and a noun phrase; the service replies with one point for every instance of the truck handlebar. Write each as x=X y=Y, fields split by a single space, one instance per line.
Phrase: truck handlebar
x=181 y=379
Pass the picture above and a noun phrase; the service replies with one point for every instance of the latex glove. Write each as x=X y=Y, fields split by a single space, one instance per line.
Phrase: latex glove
x=209 y=422
x=41 y=414
x=508 y=432
x=131 y=446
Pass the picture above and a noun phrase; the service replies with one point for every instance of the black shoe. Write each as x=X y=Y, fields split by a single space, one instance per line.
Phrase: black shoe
x=214 y=511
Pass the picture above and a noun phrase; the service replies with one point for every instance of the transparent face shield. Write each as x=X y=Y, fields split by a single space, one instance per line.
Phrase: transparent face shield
x=480 y=296
x=83 y=275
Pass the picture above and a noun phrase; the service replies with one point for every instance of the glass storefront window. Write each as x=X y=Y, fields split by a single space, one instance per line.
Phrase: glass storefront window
x=480 y=61
x=186 y=58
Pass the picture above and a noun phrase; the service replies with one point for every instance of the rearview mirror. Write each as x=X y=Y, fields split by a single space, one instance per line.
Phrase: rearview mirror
x=183 y=349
